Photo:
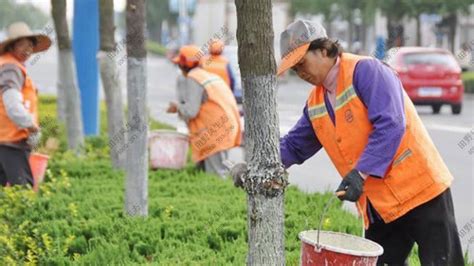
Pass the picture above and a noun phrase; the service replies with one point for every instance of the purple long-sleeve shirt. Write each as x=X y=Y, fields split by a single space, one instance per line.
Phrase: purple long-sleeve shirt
x=381 y=92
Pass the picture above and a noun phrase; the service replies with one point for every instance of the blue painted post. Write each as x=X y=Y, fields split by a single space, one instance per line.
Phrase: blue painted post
x=85 y=46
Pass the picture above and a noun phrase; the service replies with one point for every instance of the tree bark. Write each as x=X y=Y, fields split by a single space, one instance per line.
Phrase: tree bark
x=418 y=30
x=395 y=31
x=266 y=179
x=363 y=38
x=328 y=27
x=69 y=101
x=111 y=83
x=350 y=20
x=64 y=42
x=136 y=190
x=452 y=24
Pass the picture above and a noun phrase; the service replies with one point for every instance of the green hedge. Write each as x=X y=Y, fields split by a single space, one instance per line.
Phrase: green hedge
x=468 y=79
x=155 y=48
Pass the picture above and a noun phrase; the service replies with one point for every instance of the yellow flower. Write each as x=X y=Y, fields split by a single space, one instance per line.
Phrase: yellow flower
x=31 y=258
x=47 y=242
x=68 y=242
x=326 y=223
x=76 y=256
x=9 y=261
x=73 y=209
x=8 y=243
x=169 y=211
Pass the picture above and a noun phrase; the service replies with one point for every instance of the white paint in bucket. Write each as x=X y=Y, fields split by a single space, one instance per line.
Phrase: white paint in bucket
x=342 y=243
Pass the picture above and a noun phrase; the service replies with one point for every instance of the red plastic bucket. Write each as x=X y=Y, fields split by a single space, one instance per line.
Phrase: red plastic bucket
x=337 y=249
x=168 y=149
x=38 y=165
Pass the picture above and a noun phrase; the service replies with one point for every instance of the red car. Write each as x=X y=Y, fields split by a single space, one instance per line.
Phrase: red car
x=430 y=76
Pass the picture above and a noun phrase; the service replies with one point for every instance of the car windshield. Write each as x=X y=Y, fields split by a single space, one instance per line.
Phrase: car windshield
x=429 y=59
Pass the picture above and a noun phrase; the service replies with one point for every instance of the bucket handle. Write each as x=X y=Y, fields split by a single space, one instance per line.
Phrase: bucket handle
x=318 y=247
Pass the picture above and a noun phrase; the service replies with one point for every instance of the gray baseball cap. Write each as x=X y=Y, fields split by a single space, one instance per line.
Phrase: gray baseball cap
x=295 y=40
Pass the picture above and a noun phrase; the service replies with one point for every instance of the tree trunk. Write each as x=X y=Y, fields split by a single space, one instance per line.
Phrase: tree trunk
x=350 y=21
x=328 y=26
x=452 y=24
x=111 y=83
x=69 y=100
x=136 y=190
x=62 y=34
x=266 y=180
x=395 y=31
x=418 y=31
x=363 y=37
x=158 y=32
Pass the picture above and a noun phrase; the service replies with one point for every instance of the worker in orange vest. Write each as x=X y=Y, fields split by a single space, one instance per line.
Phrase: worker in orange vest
x=360 y=114
x=216 y=63
x=209 y=109
x=19 y=128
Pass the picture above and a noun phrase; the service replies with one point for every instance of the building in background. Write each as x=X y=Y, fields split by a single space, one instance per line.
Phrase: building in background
x=219 y=17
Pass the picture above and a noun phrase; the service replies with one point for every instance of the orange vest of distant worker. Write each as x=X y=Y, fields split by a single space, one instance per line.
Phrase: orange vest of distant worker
x=9 y=131
x=417 y=173
x=217 y=126
x=217 y=64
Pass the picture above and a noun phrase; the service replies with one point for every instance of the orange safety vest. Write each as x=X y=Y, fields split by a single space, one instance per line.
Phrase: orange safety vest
x=217 y=126
x=217 y=64
x=417 y=173
x=9 y=131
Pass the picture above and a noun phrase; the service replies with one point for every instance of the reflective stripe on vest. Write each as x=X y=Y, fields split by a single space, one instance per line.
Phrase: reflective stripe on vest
x=417 y=173
x=9 y=131
x=341 y=100
x=217 y=126
x=216 y=65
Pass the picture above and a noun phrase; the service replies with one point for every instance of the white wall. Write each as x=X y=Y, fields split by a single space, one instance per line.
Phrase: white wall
x=210 y=19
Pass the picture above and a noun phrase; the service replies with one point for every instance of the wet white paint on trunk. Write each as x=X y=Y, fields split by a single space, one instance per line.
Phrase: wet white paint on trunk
x=136 y=185
x=113 y=100
x=68 y=85
x=266 y=181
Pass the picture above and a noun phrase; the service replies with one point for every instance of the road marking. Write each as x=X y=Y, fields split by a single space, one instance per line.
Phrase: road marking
x=448 y=128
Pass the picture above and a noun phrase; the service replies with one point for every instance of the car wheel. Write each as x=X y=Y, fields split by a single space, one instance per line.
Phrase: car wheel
x=456 y=109
x=436 y=108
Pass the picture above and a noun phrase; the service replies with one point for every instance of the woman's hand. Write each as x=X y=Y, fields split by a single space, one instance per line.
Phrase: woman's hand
x=33 y=129
x=172 y=108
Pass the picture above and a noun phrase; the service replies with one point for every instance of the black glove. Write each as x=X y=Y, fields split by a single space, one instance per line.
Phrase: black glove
x=353 y=185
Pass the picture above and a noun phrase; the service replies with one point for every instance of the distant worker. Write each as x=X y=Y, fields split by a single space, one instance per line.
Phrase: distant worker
x=209 y=109
x=216 y=63
x=19 y=128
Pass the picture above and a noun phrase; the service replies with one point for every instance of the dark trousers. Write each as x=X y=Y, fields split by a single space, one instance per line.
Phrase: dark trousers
x=14 y=166
x=431 y=225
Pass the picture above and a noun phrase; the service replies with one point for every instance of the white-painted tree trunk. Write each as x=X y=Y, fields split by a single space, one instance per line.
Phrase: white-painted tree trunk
x=265 y=246
x=68 y=85
x=113 y=100
x=265 y=180
x=69 y=100
x=136 y=184
x=136 y=200
x=60 y=100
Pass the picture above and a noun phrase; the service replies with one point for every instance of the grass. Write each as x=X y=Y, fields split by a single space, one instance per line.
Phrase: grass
x=194 y=218
x=155 y=48
x=468 y=79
